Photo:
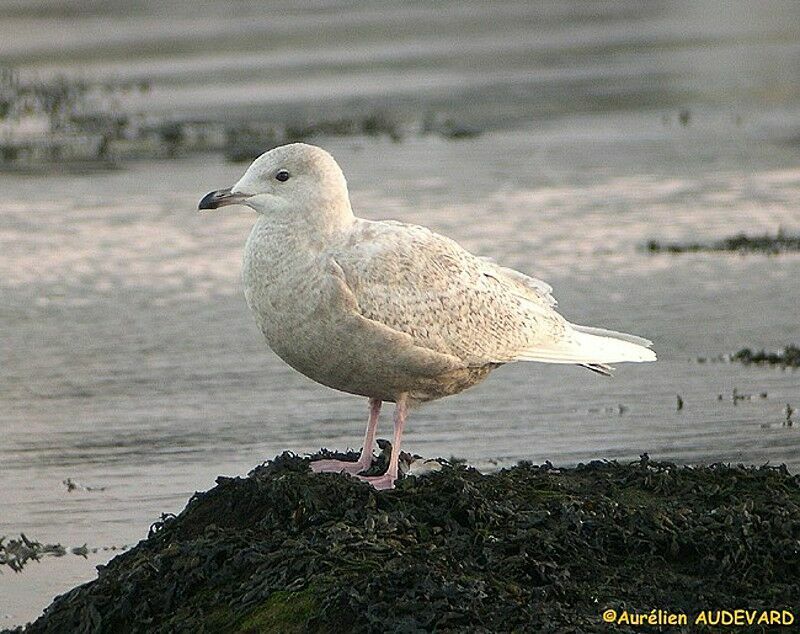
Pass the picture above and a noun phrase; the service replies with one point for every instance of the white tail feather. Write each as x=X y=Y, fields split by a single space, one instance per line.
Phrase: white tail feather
x=602 y=332
x=586 y=345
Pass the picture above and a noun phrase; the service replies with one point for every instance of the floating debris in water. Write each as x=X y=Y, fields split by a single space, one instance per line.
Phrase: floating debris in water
x=741 y=243
x=81 y=551
x=72 y=486
x=533 y=548
x=789 y=357
x=788 y=422
x=736 y=397
x=680 y=403
x=16 y=553
x=620 y=409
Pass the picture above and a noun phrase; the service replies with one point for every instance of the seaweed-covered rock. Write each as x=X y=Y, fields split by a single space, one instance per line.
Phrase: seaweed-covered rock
x=530 y=548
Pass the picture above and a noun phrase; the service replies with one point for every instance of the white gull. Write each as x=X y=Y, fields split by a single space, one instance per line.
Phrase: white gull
x=387 y=310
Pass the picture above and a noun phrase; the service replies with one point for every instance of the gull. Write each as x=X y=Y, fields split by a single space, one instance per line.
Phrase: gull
x=387 y=310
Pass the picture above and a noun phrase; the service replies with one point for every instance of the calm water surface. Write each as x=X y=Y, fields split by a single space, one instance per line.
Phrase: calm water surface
x=130 y=362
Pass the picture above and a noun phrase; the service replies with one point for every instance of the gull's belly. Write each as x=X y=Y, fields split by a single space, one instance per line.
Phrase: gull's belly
x=329 y=351
x=323 y=350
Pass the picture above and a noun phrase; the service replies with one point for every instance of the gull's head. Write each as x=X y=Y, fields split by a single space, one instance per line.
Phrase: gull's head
x=294 y=179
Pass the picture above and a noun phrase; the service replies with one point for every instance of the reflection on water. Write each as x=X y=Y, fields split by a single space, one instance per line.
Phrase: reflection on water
x=129 y=360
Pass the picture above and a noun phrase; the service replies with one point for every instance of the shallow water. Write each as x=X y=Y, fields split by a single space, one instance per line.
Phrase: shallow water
x=129 y=360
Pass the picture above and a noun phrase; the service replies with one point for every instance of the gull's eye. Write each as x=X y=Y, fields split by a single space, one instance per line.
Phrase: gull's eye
x=282 y=176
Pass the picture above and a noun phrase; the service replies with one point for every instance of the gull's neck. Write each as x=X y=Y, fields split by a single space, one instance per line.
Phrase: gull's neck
x=308 y=230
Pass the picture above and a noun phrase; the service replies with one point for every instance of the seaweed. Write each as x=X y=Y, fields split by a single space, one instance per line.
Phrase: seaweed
x=448 y=128
x=245 y=142
x=17 y=553
x=65 y=123
x=789 y=357
x=529 y=548
x=740 y=243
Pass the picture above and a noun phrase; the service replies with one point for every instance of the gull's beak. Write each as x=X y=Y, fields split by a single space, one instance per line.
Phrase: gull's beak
x=220 y=198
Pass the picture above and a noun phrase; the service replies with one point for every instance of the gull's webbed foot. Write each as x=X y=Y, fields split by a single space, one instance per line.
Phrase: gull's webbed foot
x=338 y=466
x=381 y=482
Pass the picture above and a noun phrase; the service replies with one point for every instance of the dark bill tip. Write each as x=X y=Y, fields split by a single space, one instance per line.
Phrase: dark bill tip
x=220 y=198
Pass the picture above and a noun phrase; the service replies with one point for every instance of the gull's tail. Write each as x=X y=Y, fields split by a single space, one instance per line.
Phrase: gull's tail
x=593 y=348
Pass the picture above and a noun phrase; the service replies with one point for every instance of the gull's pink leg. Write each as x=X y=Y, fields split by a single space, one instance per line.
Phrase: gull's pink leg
x=365 y=460
x=386 y=481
